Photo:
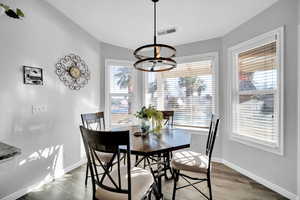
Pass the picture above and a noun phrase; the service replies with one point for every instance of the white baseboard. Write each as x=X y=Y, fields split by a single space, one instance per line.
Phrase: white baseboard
x=26 y=190
x=259 y=179
x=218 y=160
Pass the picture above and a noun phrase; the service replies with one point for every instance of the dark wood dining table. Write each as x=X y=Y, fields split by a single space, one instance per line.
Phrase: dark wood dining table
x=157 y=144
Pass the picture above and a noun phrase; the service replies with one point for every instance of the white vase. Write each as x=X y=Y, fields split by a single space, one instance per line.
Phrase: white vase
x=145 y=125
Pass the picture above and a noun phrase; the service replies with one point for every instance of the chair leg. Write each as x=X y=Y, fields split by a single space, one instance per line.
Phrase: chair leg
x=149 y=195
x=86 y=173
x=136 y=160
x=155 y=192
x=176 y=178
x=144 y=163
x=209 y=186
x=167 y=166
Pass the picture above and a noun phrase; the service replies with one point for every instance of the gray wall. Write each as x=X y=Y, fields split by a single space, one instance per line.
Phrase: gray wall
x=201 y=47
x=298 y=56
x=280 y=170
x=50 y=141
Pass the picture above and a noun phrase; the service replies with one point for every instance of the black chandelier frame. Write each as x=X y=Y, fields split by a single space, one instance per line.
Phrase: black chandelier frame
x=156 y=48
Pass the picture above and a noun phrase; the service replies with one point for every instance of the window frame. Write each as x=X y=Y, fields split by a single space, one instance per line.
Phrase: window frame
x=107 y=107
x=214 y=56
x=233 y=71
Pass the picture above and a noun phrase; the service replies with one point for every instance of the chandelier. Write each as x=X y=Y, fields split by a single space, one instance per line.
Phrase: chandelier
x=155 y=57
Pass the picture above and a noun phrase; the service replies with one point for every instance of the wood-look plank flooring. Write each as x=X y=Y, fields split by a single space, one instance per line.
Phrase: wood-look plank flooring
x=227 y=185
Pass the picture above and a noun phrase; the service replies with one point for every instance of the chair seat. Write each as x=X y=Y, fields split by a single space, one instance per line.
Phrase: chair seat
x=190 y=161
x=141 y=181
x=104 y=157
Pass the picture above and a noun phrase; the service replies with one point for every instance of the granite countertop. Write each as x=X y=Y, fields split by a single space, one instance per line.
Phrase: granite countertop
x=8 y=151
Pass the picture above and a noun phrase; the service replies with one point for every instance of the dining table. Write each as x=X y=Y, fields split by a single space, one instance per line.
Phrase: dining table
x=159 y=145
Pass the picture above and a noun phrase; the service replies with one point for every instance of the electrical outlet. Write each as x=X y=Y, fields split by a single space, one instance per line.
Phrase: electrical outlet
x=39 y=109
x=34 y=109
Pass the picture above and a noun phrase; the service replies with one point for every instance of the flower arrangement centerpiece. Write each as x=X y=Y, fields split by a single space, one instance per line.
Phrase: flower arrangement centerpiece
x=17 y=13
x=151 y=119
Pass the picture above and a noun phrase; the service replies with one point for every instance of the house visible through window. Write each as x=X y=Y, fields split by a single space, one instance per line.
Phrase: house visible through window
x=189 y=90
x=256 y=91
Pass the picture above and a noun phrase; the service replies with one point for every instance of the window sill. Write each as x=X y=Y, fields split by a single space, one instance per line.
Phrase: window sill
x=268 y=147
x=194 y=130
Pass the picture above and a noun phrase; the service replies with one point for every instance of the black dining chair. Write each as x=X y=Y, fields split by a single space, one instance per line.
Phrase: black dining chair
x=190 y=161
x=95 y=121
x=122 y=182
x=168 y=116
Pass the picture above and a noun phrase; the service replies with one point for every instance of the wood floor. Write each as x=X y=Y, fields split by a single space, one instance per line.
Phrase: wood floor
x=227 y=185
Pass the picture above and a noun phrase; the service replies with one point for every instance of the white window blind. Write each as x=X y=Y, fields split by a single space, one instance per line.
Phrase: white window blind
x=189 y=90
x=256 y=96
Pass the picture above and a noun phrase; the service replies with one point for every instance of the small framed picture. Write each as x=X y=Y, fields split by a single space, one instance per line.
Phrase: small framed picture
x=33 y=75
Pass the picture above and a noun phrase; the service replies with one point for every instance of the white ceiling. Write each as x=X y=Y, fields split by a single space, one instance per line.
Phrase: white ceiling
x=129 y=23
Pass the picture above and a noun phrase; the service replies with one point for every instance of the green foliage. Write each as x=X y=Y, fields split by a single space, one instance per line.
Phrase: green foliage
x=147 y=113
x=16 y=14
x=20 y=13
x=151 y=113
x=6 y=7
x=123 y=77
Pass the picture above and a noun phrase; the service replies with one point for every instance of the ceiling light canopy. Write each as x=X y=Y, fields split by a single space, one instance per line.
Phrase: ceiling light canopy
x=155 y=57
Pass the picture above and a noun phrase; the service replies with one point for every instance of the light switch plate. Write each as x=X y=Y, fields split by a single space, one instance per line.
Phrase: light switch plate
x=39 y=109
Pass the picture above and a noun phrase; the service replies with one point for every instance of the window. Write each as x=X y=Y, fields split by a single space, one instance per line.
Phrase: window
x=120 y=92
x=256 y=103
x=189 y=90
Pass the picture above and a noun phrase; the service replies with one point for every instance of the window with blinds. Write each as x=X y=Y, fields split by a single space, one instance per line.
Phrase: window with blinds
x=256 y=95
x=189 y=90
x=120 y=98
x=121 y=88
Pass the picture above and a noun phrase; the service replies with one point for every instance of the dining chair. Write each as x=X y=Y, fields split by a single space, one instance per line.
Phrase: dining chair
x=169 y=117
x=95 y=121
x=122 y=182
x=190 y=161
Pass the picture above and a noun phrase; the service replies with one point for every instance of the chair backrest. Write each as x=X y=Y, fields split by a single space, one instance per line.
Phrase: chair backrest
x=169 y=117
x=107 y=141
x=213 y=129
x=93 y=120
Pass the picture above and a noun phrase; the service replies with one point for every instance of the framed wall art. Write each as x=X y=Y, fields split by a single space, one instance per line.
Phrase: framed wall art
x=33 y=75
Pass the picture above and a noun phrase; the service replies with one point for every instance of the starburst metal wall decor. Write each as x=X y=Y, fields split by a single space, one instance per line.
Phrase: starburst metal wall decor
x=72 y=71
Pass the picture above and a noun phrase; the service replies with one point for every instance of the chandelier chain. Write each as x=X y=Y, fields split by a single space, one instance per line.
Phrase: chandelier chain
x=162 y=58
x=155 y=23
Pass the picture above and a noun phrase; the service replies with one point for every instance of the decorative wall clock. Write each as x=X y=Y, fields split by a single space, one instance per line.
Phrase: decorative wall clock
x=73 y=71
